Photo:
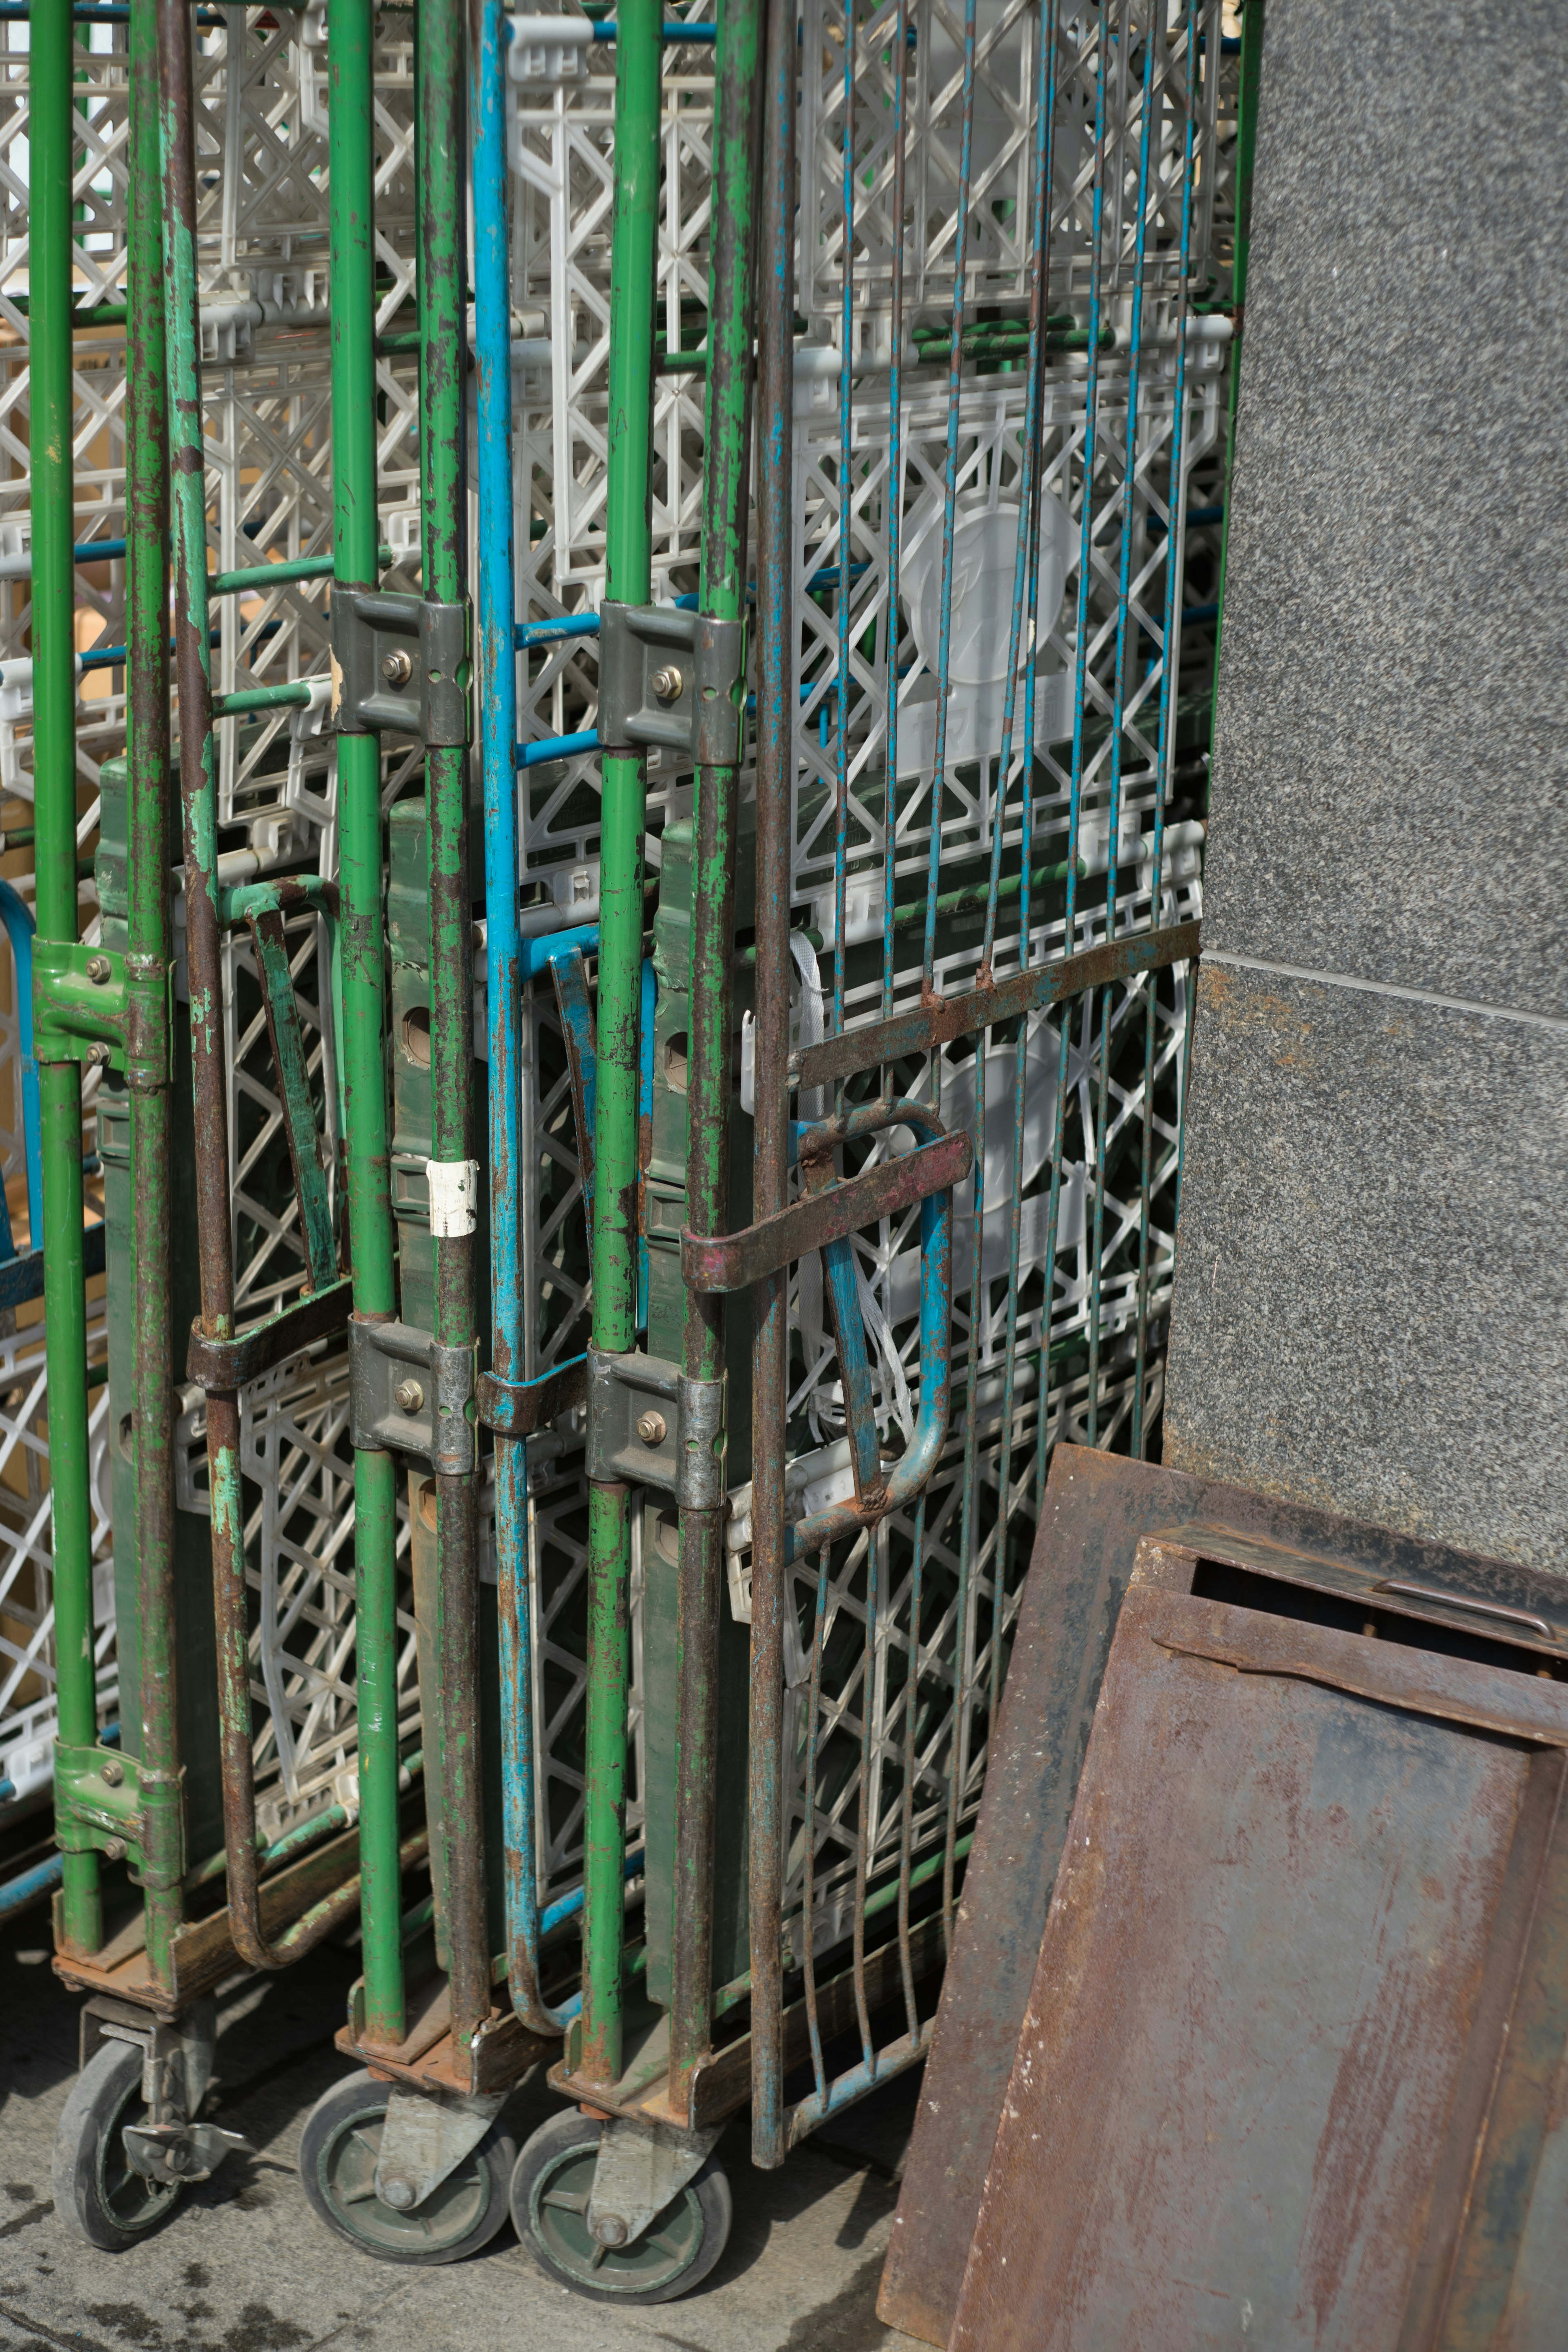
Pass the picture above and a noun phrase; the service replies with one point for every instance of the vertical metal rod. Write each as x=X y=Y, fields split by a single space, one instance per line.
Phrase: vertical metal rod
x=441 y=181
x=895 y=507
x=846 y=520
x=1086 y=518
x=498 y=725
x=203 y=939
x=775 y=776
x=732 y=307
x=149 y=948
x=949 y=508
x=963 y=1603
x=51 y=132
x=1246 y=155
x=1170 y=656
x=629 y=580
x=1025 y=598
x=350 y=37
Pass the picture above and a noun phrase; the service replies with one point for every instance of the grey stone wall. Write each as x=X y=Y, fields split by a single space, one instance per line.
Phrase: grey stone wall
x=1372 y=1299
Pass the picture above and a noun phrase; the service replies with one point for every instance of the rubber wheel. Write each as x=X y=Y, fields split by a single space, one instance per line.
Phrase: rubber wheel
x=549 y=2191
x=338 y=2151
x=97 y=2192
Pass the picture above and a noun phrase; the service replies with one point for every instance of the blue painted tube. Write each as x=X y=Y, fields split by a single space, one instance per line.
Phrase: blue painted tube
x=31 y=1883
x=554 y=747
x=551 y=633
x=7 y=1790
x=18 y=924
x=918 y=1458
x=504 y=967
x=536 y=955
x=705 y=34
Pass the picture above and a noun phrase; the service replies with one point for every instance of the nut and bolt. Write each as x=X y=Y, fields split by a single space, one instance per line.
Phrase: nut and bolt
x=651 y=1429
x=610 y=2230
x=97 y=1055
x=397 y=669
x=408 y=1396
x=98 y=970
x=111 y=1772
x=667 y=684
x=397 y=2192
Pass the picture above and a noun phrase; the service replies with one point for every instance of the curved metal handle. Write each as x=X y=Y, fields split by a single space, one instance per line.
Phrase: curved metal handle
x=878 y=1490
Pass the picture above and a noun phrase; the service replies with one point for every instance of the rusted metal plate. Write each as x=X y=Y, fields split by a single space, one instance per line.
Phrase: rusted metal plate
x=1097 y=1508
x=1274 y=1993
x=222 y=1366
x=724 y=1262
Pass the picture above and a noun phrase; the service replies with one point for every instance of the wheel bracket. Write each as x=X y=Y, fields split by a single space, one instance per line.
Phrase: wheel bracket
x=640 y=2168
x=425 y=2138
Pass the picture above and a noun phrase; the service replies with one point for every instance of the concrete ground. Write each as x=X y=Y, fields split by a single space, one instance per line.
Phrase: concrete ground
x=243 y=2265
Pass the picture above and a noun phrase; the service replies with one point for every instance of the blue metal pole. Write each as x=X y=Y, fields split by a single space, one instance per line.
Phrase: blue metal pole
x=504 y=969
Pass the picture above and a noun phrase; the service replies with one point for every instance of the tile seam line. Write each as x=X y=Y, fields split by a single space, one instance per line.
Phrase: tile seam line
x=1387 y=988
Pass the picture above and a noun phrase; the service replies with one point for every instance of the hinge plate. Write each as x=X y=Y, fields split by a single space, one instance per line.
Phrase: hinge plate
x=671 y=681
x=402 y=666
x=95 y=1004
x=410 y=1394
x=682 y=1451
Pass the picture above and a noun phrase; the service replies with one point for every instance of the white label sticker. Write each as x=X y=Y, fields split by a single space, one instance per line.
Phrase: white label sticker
x=454 y=1196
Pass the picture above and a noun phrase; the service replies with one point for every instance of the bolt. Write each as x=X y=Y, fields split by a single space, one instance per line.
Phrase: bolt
x=100 y=968
x=97 y=1055
x=667 y=684
x=112 y=1772
x=408 y=1396
x=610 y=2230
x=397 y=669
x=651 y=1427
x=397 y=2192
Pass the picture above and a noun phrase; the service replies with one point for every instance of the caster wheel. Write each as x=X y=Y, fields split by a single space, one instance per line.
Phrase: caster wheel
x=338 y=2152
x=550 y=2190
x=98 y=2191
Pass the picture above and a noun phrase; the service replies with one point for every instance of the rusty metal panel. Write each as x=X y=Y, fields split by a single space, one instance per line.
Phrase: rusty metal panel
x=1288 y=1936
x=1097 y=1508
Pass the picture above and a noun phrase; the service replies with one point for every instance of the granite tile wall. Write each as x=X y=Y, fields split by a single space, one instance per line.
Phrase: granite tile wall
x=1371 y=1307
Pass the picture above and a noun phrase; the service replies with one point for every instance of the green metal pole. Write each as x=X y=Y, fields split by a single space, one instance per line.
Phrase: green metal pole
x=628 y=553
x=148 y=950
x=732 y=310
x=349 y=35
x=442 y=82
x=51 y=132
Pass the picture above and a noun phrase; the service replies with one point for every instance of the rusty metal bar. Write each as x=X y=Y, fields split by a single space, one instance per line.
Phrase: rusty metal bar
x=731 y=310
x=770 y=1177
x=727 y=1261
x=940 y=1021
x=441 y=80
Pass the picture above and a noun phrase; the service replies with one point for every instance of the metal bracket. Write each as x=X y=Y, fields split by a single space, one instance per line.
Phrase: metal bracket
x=93 y=1004
x=518 y=1408
x=176 y=2056
x=649 y=1425
x=641 y=2167
x=410 y=1394
x=402 y=666
x=97 y=1802
x=222 y=1366
x=671 y=679
x=425 y=2138
x=181 y=2152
